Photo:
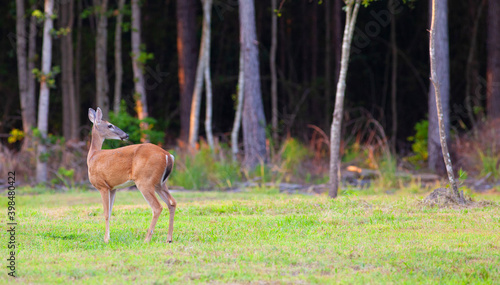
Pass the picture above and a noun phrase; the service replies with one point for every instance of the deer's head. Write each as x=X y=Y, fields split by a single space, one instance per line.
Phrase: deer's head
x=103 y=128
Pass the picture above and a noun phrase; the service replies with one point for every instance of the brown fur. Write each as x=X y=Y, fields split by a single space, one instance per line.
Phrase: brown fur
x=144 y=165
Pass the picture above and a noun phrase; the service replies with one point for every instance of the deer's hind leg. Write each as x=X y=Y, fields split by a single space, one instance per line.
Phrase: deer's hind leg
x=165 y=195
x=148 y=191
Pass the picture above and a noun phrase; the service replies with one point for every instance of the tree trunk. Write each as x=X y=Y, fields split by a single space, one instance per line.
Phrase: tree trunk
x=118 y=57
x=335 y=132
x=43 y=106
x=186 y=50
x=75 y=118
x=101 y=71
x=314 y=41
x=207 y=10
x=394 y=78
x=337 y=49
x=239 y=107
x=22 y=72
x=493 y=64
x=274 y=78
x=282 y=47
x=194 y=121
x=337 y=35
x=328 y=63
x=30 y=103
x=78 y=55
x=435 y=159
x=439 y=11
x=141 y=106
x=304 y=43
x=254 y=122
x=70 y=122
x=472 y=69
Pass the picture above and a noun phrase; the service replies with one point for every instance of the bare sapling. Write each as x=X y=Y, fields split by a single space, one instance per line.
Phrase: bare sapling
x=352 y=9
x=145 y=165
x=442 y=132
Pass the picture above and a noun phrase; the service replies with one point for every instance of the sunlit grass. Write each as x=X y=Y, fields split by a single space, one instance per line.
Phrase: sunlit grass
x=256 y=236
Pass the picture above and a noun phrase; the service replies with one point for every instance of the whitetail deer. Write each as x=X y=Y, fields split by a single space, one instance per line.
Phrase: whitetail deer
x=145 y=165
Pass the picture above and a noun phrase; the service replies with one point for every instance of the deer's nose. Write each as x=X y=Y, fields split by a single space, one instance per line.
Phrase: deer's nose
x=125 y=137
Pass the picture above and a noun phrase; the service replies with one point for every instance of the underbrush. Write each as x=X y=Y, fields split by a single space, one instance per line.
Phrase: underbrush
x=478 y=152
x=377 y=169
x=214 y=169
x=205 y=169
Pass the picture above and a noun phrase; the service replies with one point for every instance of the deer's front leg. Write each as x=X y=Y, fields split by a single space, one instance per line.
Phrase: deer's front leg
x=105 y=205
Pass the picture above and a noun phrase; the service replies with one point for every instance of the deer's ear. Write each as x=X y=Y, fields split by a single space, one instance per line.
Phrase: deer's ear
x=92 y=115
x=98 y=114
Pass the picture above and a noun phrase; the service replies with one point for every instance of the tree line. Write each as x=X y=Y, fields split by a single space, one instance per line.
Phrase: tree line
x=284 y=57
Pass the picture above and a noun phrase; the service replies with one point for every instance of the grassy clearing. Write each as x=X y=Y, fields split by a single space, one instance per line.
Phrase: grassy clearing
x=256 y=237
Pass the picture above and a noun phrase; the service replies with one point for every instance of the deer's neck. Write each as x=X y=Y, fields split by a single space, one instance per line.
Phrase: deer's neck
x=95 y=144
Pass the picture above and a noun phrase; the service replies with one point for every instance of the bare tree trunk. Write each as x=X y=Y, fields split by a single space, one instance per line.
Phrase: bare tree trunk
x=200 y=70
x=207 y=11
x=141 y=106
x=314 y=41
x=78 y=55
x=239 y=108
x=335 y=133
x=328 y=62
x=437 y=11
x=394 y=78
x=283 y=50
x=31 y=98
x=471 y=69
x=254 y=122
x=493 y=61
x=196 y=98
x=70 y=122
x=186 y=50
x=118 y=57
x=274 y=78
x=435 y=159
x=43 y=106
x=22 y=72
x=101 y=72
x=30 y=103
x=337 y=35
x=304 y=43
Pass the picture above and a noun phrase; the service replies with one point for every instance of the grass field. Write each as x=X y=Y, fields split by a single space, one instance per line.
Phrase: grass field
x=255 y=237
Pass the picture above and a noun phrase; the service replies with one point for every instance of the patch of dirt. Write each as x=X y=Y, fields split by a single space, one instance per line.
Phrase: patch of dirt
x=444 y=198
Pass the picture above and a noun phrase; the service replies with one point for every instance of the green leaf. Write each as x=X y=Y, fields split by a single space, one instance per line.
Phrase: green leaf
x=37 y=14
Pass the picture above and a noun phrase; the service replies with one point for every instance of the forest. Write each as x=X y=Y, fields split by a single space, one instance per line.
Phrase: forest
x=294 y=141
x=169 y=72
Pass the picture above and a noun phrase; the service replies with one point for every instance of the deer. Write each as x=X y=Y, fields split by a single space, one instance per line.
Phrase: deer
x=145 y=165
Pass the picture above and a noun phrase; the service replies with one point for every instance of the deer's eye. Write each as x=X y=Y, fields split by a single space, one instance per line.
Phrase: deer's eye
x=110 y=126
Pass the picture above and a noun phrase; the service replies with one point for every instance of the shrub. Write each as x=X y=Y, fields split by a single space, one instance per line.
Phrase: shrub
x=419 y=145
x=131 y=125
x=490 y=165
x=293 y=155
x=203 y=170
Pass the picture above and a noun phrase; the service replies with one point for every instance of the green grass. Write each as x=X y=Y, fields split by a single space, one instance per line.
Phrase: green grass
x=255 y=237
